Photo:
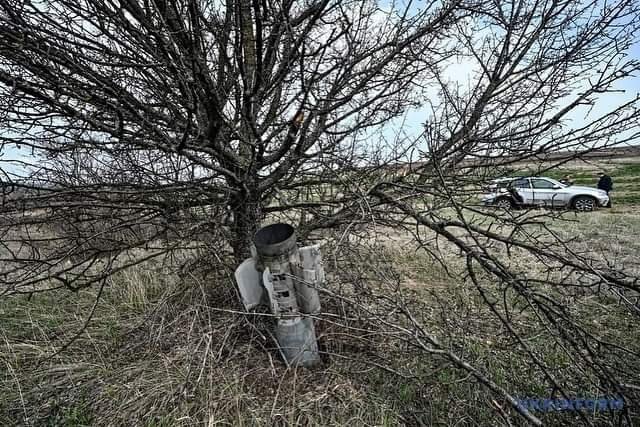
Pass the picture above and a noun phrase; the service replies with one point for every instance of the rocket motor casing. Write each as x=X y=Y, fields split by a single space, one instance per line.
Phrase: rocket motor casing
x=290 y=277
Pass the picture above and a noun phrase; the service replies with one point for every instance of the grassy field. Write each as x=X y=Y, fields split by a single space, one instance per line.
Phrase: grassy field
x=169 y=349
x=159 y=352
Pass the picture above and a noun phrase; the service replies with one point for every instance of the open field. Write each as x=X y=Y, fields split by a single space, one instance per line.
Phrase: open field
x=160 y=352
x=272 y=213
x=174 y=349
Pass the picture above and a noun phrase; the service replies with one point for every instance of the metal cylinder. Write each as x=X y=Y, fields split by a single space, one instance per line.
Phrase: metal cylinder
x=279 y=260
x=297 y=340
x=275 y=240
x=277 y=251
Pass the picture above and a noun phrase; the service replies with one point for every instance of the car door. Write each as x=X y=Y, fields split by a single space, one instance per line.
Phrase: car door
x=523 y=187
x=545 y=192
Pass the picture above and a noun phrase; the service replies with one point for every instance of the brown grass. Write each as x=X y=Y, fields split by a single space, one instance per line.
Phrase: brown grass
x=165 y=349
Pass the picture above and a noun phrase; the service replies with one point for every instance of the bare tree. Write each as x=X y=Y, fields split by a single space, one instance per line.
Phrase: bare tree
x=156 y=123
x=243 y=94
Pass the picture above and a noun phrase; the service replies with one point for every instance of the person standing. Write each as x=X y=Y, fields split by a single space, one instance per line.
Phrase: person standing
x=605 y=183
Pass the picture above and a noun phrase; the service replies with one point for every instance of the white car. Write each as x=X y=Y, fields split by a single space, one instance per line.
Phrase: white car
x=546 y=192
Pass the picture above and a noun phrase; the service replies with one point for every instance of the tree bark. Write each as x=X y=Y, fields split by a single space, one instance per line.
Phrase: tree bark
x=247 y=215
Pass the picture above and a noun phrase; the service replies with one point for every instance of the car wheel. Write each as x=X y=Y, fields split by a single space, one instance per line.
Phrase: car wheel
x=584 y=204
x=503 y=203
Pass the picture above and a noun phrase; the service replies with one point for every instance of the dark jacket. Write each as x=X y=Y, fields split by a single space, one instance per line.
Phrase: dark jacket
x=605 y=183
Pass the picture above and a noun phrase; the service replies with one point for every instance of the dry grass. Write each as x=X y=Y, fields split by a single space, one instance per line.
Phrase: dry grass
x=160 y=351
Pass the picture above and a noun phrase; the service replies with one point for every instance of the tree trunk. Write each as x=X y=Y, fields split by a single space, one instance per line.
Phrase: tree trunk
x=247 y=215
x=246 y=207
